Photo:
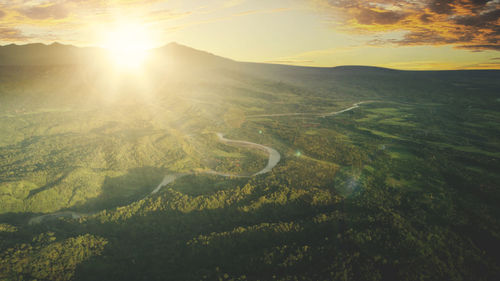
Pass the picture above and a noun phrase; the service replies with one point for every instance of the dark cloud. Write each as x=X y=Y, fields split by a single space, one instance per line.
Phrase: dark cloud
x=468 y=24
x=425 y=18
x=368 y=16
x=486 y=19
x=441 y=6
x=54 y=11
x=481 y=47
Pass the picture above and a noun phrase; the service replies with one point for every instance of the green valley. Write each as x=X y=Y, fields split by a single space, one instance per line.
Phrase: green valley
x=383 y=174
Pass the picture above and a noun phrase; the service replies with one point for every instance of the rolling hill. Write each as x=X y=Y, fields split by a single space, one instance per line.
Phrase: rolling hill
x=383 y=174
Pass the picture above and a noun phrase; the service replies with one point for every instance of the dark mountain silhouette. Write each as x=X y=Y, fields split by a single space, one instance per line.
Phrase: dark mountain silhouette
x=41 y=54
x=176 y=63
x=173 y=53
x=184 y=55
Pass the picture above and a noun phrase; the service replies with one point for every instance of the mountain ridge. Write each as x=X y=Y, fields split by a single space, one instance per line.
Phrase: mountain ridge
x=56 y=53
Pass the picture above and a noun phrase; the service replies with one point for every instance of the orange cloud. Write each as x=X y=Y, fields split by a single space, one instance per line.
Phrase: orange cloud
x=468 y=24
x=46 y=21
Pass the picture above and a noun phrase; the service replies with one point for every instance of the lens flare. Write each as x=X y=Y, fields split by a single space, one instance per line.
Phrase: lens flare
x=128 y=45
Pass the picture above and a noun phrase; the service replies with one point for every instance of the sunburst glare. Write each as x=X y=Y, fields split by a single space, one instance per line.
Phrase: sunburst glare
x=128 y=45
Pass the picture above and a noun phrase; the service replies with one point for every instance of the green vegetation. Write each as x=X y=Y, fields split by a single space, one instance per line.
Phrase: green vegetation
x=405 y=187
x=202 y=184
x=47 y=259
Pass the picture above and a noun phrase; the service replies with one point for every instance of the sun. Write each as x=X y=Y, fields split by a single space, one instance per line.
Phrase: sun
x=127 y=45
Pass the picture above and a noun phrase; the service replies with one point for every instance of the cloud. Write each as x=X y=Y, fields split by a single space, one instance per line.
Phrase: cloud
x=251 y=12
x=163 y=15
x=483 y=65
x=227 y=17
x=2 y=14
x=466 y=24
x=233 y=3
x=481 y=47
x=54 y=11
x=368 y=16
x=11 y=34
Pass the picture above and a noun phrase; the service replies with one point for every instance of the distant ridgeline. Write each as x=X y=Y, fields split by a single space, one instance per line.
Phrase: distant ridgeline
x=40 y=54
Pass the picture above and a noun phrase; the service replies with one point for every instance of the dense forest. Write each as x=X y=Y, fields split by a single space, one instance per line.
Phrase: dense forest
x=403 y=187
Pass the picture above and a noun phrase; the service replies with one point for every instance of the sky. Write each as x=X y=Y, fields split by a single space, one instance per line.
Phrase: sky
x=404 y=34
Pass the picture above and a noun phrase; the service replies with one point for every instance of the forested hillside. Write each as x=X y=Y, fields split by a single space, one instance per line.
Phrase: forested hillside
x=403 y=186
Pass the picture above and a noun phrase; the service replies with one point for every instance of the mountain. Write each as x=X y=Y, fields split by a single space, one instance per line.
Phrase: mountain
x=60 y=54
x=86 y=71
x=41 y=54
x=173 y=53
x=184 y=55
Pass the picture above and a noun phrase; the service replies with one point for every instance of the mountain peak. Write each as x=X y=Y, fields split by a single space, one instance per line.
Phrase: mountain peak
x=180 y=47
x=57 y=44
x=182 y=53
x=173 y=43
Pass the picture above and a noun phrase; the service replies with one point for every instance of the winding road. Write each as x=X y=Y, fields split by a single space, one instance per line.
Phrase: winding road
x=324 y=114
x=274 y=158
